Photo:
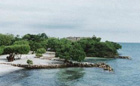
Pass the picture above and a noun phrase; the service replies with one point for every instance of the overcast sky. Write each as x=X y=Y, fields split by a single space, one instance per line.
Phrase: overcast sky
x=114 y=20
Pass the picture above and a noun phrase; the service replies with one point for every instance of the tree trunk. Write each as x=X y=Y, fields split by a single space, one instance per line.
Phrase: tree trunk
x=11 y=57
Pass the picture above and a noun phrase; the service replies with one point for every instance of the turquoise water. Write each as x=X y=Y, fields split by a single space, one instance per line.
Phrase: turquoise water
x=127 y=73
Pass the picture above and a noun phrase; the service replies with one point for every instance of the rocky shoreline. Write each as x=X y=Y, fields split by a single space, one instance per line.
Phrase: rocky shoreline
x=51 y=64
x=124 y=57
x=69 y=64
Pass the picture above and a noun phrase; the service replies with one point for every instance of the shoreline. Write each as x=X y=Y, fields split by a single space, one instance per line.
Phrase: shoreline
x=43 y=62
x=4 y=68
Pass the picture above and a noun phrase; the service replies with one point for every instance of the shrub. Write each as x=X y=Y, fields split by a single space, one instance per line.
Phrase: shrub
x=29 y=62
x=63 y=51
x=21 y=42
x=36 y=41
x=77 y=53
x=38 y=55
x=93 y=47
x=53 y=43
x=71 y=52
x=16 y=49
x=41 y=51
x=1 y=49
x=6 y=39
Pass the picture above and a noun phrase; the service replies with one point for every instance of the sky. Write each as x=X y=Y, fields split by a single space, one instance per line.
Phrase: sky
x=113 y=20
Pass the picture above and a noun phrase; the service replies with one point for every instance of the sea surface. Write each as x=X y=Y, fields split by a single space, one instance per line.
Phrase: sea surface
x=126 y=73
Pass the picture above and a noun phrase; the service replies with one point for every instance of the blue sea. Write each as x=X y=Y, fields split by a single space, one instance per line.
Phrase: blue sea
x=126 y=73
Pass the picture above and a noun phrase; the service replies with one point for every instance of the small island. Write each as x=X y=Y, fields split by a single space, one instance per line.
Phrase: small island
x=37 y=51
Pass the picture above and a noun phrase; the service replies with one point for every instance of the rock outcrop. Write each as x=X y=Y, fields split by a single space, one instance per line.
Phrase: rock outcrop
x=65 y=65
x=123 y=57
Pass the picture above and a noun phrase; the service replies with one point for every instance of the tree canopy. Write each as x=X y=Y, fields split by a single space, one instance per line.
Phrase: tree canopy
x=40 y=51
x=36 y=41
x=53 y=44
x=93 y=47
x=1 y=49
x=6 y=39
x=70 y=51
x=21 y=42
x=77 y=53
x=64 y=48
x=17 y=49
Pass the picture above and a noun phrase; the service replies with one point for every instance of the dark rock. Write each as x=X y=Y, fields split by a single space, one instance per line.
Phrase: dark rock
x=124 y=57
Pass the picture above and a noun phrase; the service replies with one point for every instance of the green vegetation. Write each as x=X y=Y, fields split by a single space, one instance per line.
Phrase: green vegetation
x=77 y=53
x=38 y=55
x=6 y=39
x=1 y=50
x=36 y=41
x=21 y=42
x=93 y=47
x=17 y=49
x=13 y=50
x=70 y=51
x=53 y=44
x=29 y=62
x=65 y=49
x=40 y=51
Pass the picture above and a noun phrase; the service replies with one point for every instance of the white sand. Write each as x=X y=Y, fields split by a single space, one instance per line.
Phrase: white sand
x=7 y=69
x=37 y=61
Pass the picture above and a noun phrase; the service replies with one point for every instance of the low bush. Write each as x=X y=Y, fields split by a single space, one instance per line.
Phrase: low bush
x=16 y=50
x=38 y=55
x=21 y=42
x=41 y=51
x=1 y=49
x=29 y=62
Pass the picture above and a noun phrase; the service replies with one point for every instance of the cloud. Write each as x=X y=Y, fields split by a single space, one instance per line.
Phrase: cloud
x=115 y=20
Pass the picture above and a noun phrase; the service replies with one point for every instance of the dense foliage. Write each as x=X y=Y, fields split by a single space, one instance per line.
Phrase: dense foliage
x=6 y=39
x=17 y=49
x=1 y=50
x=40 y=51
x=53 y=44
x=21 y=42
x=14 y=50
x=93 y=47
x=64 y=48
x=38 y=55
x=70 y=51
x=36 y=41
x=77 y=53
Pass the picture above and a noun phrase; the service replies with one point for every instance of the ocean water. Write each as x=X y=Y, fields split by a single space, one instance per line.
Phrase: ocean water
x=126 y=73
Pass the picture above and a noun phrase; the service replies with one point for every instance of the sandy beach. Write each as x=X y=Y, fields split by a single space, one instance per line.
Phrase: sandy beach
x=37 y=61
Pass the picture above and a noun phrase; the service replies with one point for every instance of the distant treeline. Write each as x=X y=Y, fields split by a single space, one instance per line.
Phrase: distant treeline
x=64 y=48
